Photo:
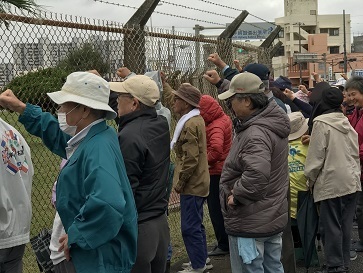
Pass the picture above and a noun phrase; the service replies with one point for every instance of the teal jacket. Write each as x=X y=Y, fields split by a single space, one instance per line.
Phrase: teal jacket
x=94 y=197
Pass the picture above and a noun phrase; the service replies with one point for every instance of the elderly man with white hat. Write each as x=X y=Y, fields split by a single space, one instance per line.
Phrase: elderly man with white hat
x=144 y=141
x=94 y=197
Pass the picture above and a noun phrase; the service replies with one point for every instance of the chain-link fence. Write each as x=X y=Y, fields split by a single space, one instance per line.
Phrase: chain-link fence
x=38 y=53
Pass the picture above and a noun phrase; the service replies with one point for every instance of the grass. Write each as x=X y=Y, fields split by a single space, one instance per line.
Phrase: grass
x=46 y=168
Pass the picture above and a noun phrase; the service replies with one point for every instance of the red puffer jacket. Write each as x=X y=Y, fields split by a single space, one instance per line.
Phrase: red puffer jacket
x=219 y=133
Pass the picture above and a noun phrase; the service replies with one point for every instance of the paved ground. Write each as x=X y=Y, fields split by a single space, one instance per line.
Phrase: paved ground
x=222 y=264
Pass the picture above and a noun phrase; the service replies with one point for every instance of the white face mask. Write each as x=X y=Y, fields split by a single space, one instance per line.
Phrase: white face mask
x=63 y=125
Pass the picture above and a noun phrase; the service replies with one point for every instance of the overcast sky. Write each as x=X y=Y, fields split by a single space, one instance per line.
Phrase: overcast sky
x=266 y=9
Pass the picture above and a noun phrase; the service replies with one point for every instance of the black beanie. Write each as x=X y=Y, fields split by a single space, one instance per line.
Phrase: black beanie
x=332 y=97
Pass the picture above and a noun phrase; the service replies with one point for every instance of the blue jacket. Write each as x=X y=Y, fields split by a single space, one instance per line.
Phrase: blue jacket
x=94 y=197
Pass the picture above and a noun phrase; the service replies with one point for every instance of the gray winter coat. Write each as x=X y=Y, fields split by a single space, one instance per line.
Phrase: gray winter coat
x=256 y=169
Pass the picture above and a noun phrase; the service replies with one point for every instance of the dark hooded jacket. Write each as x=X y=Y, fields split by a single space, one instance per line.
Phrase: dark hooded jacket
x=256 y=169
x=219 y=133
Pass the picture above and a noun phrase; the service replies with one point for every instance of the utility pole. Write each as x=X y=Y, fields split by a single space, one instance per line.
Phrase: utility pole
x=345 y=44
x=324 y=60
x=300 y=71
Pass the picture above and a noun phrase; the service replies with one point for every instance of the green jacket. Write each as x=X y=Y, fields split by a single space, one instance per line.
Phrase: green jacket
x=94 y=197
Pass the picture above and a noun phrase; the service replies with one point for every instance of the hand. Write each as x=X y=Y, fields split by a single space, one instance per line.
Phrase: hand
x=344 y=76
x=309 y=186
x=305 y=139
x=303 y=89
x=163 y=77
x=214 y=58
x=290 y=94
x=63 y=240
x=316 y=77
x=344 y=109
x=230 y=201
x=177 y=188
x=123 y=72
x=237 y=65
x=94 y=71
x=9 y=101
x=212 y=76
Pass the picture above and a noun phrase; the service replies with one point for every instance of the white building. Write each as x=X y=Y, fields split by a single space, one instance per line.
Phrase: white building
x=6 y=74
x=44 y=53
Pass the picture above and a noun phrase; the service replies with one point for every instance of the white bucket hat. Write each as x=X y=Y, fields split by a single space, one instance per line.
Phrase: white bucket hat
x=298 y=125
x=340 y=82
x=87 y=89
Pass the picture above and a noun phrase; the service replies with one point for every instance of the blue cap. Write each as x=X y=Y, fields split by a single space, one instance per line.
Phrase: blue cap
x=259 y=70
x=282 y=83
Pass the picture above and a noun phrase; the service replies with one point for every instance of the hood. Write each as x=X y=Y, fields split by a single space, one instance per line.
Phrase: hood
x=271 y=117
x=209 y=109
x=155 y=75
x=336 y=120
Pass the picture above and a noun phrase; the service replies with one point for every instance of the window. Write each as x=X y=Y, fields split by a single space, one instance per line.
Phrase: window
x=280 y=52
x=330 y=31
x=313 y=12
x=333 y=31
x=321 y=66
x=281 y=33
x=334 y=49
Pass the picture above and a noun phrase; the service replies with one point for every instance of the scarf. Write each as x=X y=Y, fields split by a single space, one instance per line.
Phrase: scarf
x=180 y=125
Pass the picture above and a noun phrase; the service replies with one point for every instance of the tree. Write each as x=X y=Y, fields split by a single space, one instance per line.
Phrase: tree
x=85 y=58
x=34 y=86
x=23 y=5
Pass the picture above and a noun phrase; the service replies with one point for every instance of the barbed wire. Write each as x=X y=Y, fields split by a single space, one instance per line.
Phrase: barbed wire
x=159 y=12
x=272 y=23
x=205 y=11
x=219 y=5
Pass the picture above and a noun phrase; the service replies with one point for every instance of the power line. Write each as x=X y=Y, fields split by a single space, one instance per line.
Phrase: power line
x=159 y=12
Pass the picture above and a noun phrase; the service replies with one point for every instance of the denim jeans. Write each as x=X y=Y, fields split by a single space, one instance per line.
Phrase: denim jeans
x=267 y=261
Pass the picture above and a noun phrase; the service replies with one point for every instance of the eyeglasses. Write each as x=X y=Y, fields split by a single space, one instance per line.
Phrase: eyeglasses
x=125 y=95
x=61 y=106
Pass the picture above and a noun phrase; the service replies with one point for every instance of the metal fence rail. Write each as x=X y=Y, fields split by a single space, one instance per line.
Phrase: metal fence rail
x=38 y=53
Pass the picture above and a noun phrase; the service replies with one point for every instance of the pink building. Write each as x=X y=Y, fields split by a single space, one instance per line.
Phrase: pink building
x=330 y=66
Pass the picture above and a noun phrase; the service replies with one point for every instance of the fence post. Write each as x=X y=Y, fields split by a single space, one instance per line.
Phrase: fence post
x=134 y=55
x=224 y=47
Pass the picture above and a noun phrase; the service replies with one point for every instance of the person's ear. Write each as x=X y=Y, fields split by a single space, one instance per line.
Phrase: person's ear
x=86 y=112
x=248 y=102
x=135 y=104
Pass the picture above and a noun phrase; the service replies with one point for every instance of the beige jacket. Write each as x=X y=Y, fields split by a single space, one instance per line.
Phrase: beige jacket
x=332 y=164
x=191 y=174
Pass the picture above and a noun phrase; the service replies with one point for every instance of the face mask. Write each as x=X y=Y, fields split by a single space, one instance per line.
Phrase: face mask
x=69 y=130
x=63 y=125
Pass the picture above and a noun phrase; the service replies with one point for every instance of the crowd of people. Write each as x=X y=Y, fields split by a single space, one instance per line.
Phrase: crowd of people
x=111 y=195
